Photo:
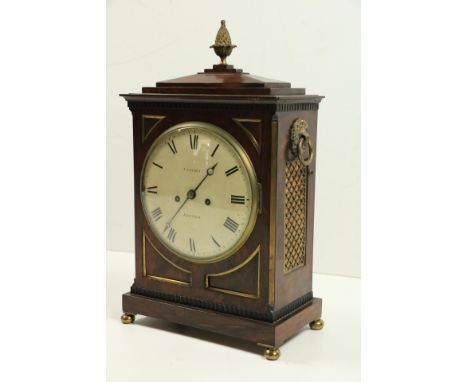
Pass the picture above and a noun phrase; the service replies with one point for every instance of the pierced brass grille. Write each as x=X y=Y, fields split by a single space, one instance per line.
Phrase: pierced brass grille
x=295 y=216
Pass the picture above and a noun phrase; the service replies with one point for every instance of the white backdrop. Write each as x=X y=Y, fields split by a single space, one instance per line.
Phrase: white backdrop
x=311 y=43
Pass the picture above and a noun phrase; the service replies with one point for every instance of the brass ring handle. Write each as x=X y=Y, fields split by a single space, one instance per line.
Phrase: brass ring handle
x=300 y=149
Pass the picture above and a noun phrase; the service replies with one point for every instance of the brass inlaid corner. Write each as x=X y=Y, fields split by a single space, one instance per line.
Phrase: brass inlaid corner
x=255 y=253
x=295 y=216
x=153 y=121
x=241 y=123
x=159 y=278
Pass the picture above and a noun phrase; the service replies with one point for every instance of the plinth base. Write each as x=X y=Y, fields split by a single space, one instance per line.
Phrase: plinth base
x=267 y=334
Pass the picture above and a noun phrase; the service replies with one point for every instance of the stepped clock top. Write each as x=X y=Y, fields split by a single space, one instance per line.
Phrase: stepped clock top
x=224 y=81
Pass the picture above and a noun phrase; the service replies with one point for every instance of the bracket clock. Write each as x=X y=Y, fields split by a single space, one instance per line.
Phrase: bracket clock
x=224 y=173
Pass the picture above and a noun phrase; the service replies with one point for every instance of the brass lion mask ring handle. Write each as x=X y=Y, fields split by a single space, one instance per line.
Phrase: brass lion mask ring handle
x=300 y=146
x=302 y=155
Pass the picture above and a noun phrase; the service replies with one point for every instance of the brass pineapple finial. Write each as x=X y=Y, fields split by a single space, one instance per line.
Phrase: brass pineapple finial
x=223 y=46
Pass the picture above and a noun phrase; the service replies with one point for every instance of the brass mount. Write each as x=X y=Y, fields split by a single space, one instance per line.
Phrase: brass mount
x=223 y=46
x=300 y=142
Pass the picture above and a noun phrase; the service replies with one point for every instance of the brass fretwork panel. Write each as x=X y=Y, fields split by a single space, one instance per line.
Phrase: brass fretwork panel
x=295 y=216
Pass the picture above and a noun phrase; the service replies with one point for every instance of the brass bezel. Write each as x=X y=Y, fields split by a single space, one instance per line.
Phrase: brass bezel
x=230 y=140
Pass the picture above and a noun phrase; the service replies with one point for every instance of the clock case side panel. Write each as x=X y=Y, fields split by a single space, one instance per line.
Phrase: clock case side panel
x=137 y=140
x=196 y=294
x=293 y=286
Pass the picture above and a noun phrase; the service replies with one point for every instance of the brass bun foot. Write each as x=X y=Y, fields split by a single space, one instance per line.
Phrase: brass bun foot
x=127 y=318
x=317 y=325
x=272 y=354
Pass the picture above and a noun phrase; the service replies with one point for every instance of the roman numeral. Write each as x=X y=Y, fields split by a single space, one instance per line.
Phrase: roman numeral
x=157 y=165
x=214 y=151
x=157 y=214
x=194 y=142
x=172 y=146
x=192 y=245
x=171 y=234
x=231 y=171
x=237 y=199
x=152 y=190
x=231 y=225
x=214 y=241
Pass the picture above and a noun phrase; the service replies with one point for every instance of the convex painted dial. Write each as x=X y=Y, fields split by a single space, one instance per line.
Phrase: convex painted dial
x=199 y=191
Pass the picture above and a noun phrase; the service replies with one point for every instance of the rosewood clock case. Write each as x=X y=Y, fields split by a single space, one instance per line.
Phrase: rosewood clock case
x=263 y=292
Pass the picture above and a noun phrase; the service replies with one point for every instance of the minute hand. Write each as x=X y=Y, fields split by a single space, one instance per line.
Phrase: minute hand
x=168 y=224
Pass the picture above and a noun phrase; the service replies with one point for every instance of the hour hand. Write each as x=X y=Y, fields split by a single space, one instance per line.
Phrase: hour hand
x=210 y=171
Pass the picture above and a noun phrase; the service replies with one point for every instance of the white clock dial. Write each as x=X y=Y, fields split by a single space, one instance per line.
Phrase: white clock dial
x=199 y=191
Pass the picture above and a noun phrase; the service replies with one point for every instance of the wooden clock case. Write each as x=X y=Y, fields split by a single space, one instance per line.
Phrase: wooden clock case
x=262 y=293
